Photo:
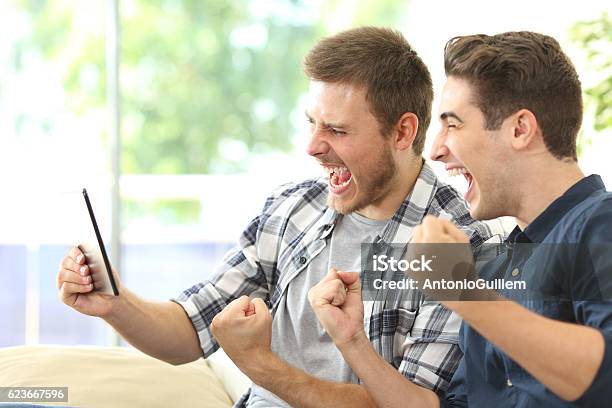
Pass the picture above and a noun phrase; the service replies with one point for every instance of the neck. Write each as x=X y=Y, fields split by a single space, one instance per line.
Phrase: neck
x=536 y=194
x=402 y=184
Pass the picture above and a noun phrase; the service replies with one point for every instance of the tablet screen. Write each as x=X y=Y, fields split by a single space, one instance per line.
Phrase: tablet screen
x=95 y=253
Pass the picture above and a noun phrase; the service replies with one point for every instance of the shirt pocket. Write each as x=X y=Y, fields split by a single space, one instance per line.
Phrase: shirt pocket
x=395 y=333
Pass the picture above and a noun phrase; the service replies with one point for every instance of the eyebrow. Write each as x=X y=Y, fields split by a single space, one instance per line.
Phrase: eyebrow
x=329 y=124
x=446 y=115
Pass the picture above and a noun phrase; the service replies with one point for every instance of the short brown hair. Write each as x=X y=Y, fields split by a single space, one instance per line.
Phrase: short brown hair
x=521 y=70
x=380 y=59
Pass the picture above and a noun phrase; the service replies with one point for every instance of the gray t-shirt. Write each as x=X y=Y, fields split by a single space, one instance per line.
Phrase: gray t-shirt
x=297 y=336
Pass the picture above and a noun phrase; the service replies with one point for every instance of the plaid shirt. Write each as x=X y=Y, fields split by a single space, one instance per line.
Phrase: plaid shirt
x=417 y=336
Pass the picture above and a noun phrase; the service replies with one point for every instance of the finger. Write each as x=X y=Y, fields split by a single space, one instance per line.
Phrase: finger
x=250 y=311
x=351 y=281
x=432 y=224
x=325 y=293
x=339 y=297
x=238 y=307
x=66 y=275
x=72 y=265
x=331 y=275
x=456 y=234
x=261 y=308
x=69 y=288
x=77 y=255
x=338 y=293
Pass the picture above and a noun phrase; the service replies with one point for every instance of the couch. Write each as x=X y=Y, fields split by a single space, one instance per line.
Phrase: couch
x=122 y=377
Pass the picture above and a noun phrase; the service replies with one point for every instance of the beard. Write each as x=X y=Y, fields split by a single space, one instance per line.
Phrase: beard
x=374 y=182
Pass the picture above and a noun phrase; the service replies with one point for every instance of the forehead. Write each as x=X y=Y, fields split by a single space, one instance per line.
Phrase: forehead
x=457 y=96
x=336 y=98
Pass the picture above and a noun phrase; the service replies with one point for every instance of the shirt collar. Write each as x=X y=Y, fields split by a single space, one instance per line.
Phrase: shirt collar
x=413 y=208
x=546 y=221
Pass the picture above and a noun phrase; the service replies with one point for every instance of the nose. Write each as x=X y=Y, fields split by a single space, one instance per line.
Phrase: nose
x=439 y=151
x=317 y=145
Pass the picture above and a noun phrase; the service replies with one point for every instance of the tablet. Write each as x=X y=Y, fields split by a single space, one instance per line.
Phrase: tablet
x=96 y=256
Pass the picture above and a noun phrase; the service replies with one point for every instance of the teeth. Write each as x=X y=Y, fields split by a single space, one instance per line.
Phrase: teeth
x=337 y=170
x=456 y=171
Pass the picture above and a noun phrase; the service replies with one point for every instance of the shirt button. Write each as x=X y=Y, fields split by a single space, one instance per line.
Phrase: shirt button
x=303 y=260
x=515 y=272
x=508 y=382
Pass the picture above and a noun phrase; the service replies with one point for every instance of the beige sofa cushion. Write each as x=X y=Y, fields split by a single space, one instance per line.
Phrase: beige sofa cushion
x=236 y=383
x=112 y=377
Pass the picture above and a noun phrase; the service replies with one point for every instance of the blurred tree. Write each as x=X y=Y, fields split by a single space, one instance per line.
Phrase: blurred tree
x=595 y=37
x=205 y=83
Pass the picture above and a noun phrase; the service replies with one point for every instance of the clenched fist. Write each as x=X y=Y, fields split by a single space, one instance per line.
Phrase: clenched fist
x=336 y=301
x=243 y=329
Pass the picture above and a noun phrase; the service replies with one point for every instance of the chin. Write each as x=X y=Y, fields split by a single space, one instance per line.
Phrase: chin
x=482 y=213
x=343 y=206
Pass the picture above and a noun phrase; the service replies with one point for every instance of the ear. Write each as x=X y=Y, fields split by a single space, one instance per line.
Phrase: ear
x=405 y=131
x=526 y=131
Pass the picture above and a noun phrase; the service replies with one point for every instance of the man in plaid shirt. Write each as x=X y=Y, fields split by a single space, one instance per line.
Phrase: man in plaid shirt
x=369 y=110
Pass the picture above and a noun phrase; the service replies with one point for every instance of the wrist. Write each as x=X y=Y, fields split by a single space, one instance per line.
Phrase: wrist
x=356 y=344
x=259 y=366
x=116 y=305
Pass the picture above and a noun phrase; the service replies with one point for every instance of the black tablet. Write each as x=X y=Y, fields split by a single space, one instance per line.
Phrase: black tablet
x=96 y=256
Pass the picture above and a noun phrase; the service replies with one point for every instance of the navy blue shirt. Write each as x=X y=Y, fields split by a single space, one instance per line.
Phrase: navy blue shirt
x=565 y=258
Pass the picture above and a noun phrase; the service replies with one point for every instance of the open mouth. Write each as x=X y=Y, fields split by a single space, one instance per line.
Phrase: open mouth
x=339 y=178
x=468 y=176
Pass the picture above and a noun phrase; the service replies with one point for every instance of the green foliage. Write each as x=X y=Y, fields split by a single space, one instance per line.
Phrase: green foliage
x=205 y=83
x=201 y=74
x=169 y=212
x=595 y=37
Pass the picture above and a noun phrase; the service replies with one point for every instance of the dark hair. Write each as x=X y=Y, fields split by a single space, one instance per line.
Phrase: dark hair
x=380 y=59
x=521 y=70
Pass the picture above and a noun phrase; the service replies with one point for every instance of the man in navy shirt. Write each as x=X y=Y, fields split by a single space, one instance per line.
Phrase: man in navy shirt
x=510 y=112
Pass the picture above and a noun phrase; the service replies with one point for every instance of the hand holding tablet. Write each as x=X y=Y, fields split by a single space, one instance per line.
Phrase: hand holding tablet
x=96 y=257
x=85 y=279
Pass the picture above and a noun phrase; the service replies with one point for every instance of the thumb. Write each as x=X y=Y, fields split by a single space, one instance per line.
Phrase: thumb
x=331 y=275
x=261 y=308
x=351 y=281
x=250 y=310
x=239 y=307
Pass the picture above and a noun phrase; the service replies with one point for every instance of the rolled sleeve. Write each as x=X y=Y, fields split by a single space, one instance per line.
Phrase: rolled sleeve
x=240 y=273
x=599 y=316
x=456 y=395
x=431 y=352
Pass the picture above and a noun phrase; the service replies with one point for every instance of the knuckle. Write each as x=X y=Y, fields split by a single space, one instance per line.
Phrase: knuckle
x=338 y=285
